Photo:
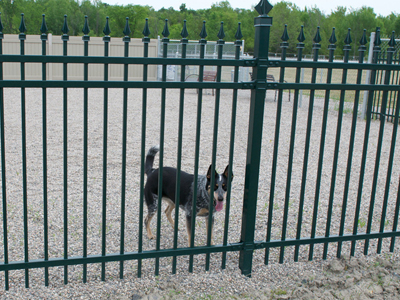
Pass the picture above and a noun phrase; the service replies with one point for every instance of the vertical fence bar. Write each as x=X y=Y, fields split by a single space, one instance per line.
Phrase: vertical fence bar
x=262 y=25
x=316 y=47
x=86 y=40
x=146 y=41
x=361 y=49
x=392 y=94
x=376 y=51
x=202 y=42
x=331 y=48
x=391 y=51
x=300 y=47
x=346 y=51
x=43 y=37
x=106 y=40
x=378 y=147
x=210 y=221
x=238 y=44
x=65 y=167
x=377 y=94
x=65 y=39
x=284 y=46
x=395 y=81
x=184 y=42
x=126 y=39
x=165 y=42
x=3 y=165
x=22 y=38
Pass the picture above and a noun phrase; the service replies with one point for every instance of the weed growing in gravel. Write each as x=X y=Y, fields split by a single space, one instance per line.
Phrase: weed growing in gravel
x=361 y=223
x=173 y=293
x=278 y=292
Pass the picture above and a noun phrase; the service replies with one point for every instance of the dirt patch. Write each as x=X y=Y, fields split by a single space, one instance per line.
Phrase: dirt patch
x=369 y=277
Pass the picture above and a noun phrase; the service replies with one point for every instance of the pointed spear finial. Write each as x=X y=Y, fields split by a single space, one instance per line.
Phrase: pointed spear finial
x=263 y=7
x=22 y=27
x=65 y=28
x=127 y=30
x=239 y=34
x=146 y=30
x=203 y=33
x=348 y=39
x=221 y=33
x=285 y=35
x=392 y=42
x=377 y=41
x=43 y=28
x=333 y=39
x=184 y=32
x=301 y=38
x=165 y=32
x=107 y=29
x=317 y=37
x=86 y=28
x=363 y=40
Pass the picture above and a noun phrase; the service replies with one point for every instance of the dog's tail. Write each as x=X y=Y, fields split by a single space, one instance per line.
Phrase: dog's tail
x=150 y=159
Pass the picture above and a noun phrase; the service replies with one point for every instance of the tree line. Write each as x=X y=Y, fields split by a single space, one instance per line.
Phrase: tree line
x=282 y=13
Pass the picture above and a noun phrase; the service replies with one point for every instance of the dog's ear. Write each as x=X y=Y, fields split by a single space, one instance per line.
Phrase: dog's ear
x=226 y=172
x=209 y=173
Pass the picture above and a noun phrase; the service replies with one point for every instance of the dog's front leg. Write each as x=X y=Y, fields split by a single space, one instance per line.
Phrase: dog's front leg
x=189 y=228
x=212 y=227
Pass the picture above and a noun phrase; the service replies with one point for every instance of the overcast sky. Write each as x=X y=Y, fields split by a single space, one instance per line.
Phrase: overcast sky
x=382 y=7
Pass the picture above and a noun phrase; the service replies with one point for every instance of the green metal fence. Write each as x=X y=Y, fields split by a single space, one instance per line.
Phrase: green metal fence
x=247 y=245
x=389 y=49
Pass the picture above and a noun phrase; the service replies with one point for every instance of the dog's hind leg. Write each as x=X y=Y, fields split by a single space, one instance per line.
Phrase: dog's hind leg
x=151 y=211
x=168 y=212
x=147 y=221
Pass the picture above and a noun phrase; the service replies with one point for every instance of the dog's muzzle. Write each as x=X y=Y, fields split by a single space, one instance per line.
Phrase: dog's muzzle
x=218 y=204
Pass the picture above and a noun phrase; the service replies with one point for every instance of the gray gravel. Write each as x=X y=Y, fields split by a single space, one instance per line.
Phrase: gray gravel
x=360 y=277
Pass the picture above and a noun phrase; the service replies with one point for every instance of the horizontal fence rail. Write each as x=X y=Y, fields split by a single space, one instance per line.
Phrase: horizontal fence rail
x=306 y=177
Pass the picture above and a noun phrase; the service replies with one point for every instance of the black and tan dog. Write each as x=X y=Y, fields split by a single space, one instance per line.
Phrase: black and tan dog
x=186 y=193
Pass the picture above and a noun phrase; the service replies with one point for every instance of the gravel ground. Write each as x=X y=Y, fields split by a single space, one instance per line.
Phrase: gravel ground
x=360 y=277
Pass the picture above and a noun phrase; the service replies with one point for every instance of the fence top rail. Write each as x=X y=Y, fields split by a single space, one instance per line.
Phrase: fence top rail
x=191 y=85
x=191 y=61
x=124 y=60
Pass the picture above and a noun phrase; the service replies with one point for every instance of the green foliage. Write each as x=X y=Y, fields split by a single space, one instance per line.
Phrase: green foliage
x=283 y=12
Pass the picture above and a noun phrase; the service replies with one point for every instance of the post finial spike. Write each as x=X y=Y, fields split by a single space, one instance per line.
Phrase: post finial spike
x=221 y=33
x=263 y=7
x=239 y=34
x=107 y=29
x=203 y=33
x=65 y=28
x=363 y=40
x=127 y=30
x=22 y=27
x=348 y=40
x=165 y=32
x=146 y=30
x=184 y=32
x=86 y=28
x=301 y=38
x=285 y=35
x=333 y=39
x=43 y=28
